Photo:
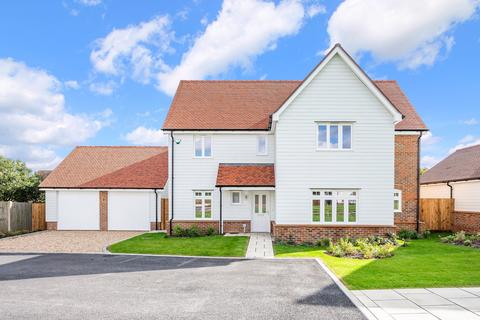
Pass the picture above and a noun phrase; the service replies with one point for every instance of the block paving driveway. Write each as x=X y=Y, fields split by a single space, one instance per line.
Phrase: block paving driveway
x=101 y=286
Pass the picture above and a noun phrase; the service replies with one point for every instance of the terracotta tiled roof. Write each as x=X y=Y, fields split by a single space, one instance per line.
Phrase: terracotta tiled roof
x=463 y=164
x=111 y=167
x=248 y=105
x=246 y=175
x=394 y=93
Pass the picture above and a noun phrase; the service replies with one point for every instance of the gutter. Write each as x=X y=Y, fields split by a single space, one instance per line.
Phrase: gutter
x=172 y=185
x=220 y=229
x=418 y=181
x=451 y=189
x=156 y=209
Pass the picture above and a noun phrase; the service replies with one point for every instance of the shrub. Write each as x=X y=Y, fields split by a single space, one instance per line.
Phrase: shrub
x=363 y=248
x=407 y=234
x=461 y=238
x=426 y=234
x=324 y=242
x=210 y=231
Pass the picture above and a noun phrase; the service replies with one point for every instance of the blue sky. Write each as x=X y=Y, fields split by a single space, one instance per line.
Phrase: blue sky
x=100 y=72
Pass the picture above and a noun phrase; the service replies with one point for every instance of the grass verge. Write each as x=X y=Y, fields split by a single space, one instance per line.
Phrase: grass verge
x=160 y=243
x=423 y=263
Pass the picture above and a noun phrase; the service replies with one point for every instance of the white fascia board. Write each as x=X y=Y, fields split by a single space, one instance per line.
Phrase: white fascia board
x=407 y=133
x=213 y=132
x=248 y=188
x=100 y=189
x=397 y=116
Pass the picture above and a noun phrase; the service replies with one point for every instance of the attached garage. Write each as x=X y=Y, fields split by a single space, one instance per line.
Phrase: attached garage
x=107 y=188
x=78 y=210
x=129 y=210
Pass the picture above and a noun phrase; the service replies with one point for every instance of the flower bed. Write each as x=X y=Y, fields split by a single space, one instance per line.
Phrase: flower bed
x=364 y=248
x=463 y=239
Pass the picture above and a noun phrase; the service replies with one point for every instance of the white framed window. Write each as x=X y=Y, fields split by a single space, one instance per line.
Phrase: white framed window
x=262 y=145
x=203 y=204
x=202 y=146
x=334 y=136
x=334 y=206
x=236 y=197
x=397 y=200
x=260 y=203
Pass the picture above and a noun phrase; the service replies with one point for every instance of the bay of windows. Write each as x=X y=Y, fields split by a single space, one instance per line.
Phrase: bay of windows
x=334 y=206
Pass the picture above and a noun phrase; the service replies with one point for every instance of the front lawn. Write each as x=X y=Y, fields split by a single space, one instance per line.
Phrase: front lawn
x=160 y=243
x=423 y=263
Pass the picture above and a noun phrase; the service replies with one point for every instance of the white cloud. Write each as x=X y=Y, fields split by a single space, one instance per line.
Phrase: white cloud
x=33 y=115
x=71 y=84
x=90 y=3
x=429 y=161
x=429 y=139
x=471 y=122
x=103 y=88
x=467 y=141
x=242 y=30
x=135 y=51
x=316 y=9
x=146 y=136
x=409 y=32
x=204 y=21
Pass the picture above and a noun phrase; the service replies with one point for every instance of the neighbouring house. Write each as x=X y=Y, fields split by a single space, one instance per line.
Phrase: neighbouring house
x=107 y=188
x=457 y=177
x=336 y=154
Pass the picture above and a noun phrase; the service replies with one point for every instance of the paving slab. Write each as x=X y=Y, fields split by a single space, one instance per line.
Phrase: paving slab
x=421 y=303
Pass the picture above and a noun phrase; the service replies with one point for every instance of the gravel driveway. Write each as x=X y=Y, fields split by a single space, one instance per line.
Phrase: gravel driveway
x=64 y=241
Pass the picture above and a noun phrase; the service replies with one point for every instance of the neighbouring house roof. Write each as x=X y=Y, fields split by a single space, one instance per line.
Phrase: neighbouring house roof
x=111 y=168
x=246 y=175
x=463 y=164
x=248 y=105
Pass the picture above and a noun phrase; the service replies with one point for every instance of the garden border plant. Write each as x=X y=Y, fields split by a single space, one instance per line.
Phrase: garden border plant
x=463 y=239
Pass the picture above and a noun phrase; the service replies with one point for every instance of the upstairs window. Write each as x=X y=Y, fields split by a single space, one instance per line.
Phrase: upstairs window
x=262 y=147
x=203 y=146
x=334 y=136
x=203 y=204
x=397 y=201
x=334 y=206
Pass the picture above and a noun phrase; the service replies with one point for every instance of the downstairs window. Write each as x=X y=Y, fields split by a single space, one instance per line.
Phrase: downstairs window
x=334 y=206
x=203 y=204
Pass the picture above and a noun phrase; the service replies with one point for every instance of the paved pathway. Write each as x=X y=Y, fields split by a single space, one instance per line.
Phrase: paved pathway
x=260 y=246
x=422 y=304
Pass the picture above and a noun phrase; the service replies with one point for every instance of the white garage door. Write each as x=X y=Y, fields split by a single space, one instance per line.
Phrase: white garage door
x=78 y=210
x=128 y=210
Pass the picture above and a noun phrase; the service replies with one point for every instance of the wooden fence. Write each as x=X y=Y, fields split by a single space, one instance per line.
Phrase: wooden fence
x=38 y=217
x=437 y=214
x=21 y=216
x=15 y=216
x=164 y=217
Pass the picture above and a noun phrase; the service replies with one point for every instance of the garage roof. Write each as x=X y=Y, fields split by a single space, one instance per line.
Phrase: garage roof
x=111 y=168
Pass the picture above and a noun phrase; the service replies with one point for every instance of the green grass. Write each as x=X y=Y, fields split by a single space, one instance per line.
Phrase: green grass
x=423 y=263
x=160 y=243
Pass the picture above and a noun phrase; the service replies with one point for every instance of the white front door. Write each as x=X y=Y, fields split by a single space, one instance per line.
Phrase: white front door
x=261 y=214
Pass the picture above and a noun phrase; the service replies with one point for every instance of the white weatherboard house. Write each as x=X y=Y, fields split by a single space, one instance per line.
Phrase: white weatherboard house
x=300 y=159
x=333 y=155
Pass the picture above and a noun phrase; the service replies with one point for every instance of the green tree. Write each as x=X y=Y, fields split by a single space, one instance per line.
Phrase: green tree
x=423 y=170
x=17 y=182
